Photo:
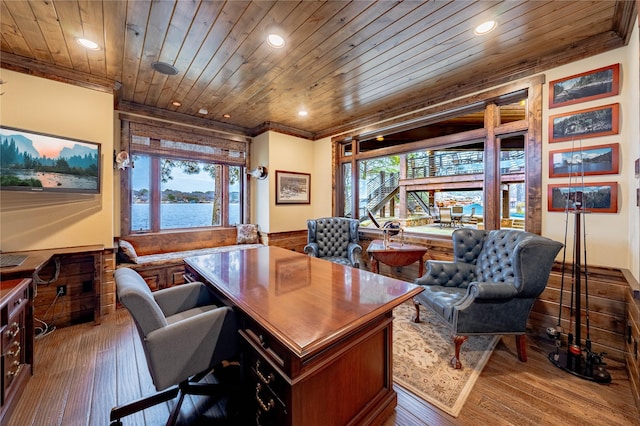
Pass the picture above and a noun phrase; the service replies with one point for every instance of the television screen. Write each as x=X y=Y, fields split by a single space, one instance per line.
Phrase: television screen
x=31 y=161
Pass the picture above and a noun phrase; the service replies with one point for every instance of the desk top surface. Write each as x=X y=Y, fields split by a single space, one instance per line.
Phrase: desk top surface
x=306 y=302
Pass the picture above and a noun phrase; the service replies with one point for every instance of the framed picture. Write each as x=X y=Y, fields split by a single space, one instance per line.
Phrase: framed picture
x=593 y=160
x=39 y=162
x=586 y=123
x=596 y=197
x=293 y=187
x=586 y=86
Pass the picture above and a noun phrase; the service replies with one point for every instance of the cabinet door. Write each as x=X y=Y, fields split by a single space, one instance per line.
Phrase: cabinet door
x=175 y=275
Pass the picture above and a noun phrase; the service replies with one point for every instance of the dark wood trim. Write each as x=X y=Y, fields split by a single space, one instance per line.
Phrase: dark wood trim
x=182 y=122
x=53 y=72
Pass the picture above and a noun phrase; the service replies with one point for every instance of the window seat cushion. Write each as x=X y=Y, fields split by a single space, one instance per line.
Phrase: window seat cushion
x=177 y=257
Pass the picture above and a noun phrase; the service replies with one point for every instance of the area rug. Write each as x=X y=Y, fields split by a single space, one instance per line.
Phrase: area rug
x=421 y=359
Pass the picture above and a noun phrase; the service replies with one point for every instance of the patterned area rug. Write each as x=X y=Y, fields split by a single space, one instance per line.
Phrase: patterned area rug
x=422 y=354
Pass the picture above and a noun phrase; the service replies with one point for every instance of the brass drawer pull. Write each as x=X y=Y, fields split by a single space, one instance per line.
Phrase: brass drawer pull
x=14 y=352
x=265 y=379
x=265 y=407
x=263 y=341
x=13 y=333
x=14 y=373
x=17 y=301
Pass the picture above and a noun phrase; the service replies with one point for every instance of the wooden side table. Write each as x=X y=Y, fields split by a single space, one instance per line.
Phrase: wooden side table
x=396 y=254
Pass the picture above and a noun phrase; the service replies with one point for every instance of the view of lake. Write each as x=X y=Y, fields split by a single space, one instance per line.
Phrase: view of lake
x=179 y=215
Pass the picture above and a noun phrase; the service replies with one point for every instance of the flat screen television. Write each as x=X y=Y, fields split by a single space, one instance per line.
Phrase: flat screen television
x=37 y=162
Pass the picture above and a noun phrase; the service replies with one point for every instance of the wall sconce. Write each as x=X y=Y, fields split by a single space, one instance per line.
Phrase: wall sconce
x=259 y=172
x=121 y=161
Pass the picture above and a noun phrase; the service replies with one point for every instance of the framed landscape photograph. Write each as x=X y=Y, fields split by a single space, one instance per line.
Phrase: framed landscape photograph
x=293 y=187
x=39 y=162
x=587 y=86
x=586 y=123
x=596 y=197
x=592 y=160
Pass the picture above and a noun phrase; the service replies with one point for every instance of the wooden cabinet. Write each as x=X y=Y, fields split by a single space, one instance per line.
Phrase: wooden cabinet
x=16 y=329
x=164 y=276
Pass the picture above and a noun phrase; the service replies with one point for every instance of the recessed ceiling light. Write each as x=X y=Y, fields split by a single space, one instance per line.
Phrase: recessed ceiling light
x=485 y=27
x=164 y=68
x=303 y=113
x=275 y=40
x=176 y=103
x=226 y=115
x=88 y=44
x=203 y=111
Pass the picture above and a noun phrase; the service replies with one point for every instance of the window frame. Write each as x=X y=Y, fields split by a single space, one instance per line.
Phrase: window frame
x=228 y=150
x=492 y=132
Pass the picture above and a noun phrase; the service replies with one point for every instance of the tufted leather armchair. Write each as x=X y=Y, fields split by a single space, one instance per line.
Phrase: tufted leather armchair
x=334 y=239
x=491 y=285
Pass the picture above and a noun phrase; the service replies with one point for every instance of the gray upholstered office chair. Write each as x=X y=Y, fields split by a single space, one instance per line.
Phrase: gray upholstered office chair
x=184 y=334
x=335 y=239
x=491 y=285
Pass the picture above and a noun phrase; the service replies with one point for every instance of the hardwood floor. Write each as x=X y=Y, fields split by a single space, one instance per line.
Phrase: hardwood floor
x=84 y=370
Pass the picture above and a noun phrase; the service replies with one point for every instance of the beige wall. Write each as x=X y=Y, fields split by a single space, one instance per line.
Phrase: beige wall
x=291 y=154
x=612 y=238
x=31 y=221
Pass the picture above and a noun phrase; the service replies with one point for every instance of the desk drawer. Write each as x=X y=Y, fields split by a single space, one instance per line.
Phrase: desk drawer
x=271 y=348
x=268 y=390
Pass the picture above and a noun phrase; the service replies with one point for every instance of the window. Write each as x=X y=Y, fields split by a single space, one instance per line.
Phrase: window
x=183 y=181
x=483 y=158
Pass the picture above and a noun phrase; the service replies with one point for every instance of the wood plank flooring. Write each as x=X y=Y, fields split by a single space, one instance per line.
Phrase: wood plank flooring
x=82 y=371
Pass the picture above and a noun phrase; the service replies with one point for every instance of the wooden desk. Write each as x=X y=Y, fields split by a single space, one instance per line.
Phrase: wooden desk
x=396 y=255
x=318 y=335
x=37 y=260
x=16 y=344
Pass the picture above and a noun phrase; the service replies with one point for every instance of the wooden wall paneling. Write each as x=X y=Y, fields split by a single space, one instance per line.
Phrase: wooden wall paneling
x=77 y=273
x=292 y=240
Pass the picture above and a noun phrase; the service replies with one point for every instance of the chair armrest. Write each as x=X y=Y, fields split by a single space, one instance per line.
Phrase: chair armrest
x=447 y=274
x=312 y=249
x=191 y=346
x=182 y=297
x=499 y=290
x=354 y=251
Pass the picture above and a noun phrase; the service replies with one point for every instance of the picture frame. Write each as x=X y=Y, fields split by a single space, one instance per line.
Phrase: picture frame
x=595 y=197
x=40 y=162
x=293 y=187
x=586 y=86
x=586 y=123
x=586 y=161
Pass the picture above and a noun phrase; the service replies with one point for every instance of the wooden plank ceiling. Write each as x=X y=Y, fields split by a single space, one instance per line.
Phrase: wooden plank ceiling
x=346 y=63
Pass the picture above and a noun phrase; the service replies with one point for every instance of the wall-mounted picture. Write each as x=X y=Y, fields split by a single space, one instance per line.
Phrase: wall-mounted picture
x=293 y=187
x=586 y=123
x=596 y=197
x=35 y=162
x=587 y=86
x=592 y=160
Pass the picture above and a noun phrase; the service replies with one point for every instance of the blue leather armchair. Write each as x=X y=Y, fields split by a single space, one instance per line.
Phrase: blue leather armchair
x=491 y=285
x=334 y=239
